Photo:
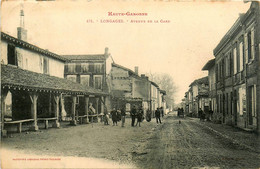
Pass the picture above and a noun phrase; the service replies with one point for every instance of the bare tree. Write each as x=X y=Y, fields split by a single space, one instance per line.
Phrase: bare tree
x=165 y=82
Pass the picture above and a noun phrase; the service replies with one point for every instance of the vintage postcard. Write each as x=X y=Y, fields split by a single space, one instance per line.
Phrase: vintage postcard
x=130 y=84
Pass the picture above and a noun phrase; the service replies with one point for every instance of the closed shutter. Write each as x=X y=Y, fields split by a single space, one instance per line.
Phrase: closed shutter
x=253 y=43
x=246 y=48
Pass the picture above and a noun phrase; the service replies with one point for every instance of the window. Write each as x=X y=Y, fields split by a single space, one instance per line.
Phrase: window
x=97 y=82
x=91 y=67
x=98 y=67
x=72 y=78
x=84 y=79
x=71 y=67
x=11 y=54
x=242 y=100
x=19 y=60
x=235 y=60
x=78 y=67
x=241 y=56
x=227 y=65
x=45 y=65
x=252 y=100
x=84 y=67
x=252 y=44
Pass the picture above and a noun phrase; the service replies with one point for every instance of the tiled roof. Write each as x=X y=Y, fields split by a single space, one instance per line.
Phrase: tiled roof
x=28 y=46
x=122 y=67
x=203 y=80
x=209 y=64
x=85 y=57
x=14 y=77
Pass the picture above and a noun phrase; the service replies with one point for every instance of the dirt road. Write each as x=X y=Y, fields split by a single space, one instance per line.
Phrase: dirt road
x=168 y=145
x=190 y=144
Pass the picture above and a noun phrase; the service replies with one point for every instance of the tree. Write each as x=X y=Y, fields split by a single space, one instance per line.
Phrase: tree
x=165 y=82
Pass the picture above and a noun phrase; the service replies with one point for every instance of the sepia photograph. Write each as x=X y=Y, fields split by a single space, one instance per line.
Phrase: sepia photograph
x=153 y=84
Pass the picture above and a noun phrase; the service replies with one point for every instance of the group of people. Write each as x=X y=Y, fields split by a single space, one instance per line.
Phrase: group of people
x=137 y=114
x=117 y=116
x=180 y=112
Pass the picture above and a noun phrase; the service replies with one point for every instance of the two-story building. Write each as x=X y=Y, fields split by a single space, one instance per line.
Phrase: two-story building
x=198 y=96
x=210 y=67
x=90 y=71
x=32 y=84
x=128 y=88
x=237 y=69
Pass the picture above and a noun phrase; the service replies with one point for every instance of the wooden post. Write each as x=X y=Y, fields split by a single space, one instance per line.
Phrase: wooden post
x=19 y=127
x=63 y=112
x=34 y=98
x=56 y=100
x=102 y=104
x=97 y=100
x=86 y=109
x=3 y=110
x=73 y=110
x=50 y=104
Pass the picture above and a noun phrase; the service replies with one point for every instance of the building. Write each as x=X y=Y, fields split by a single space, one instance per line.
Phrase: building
x=237 y=72
x=128 y=89
x=198 y=96
x=125 y=88
x=33 y=87
x=210 y=67
x=90 y=71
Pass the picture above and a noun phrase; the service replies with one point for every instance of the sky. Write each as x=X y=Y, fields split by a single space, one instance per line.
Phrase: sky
x=180 y=47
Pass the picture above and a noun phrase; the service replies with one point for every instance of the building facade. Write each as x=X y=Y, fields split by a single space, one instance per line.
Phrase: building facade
x=237 y=67
x=197 y=97
x=210 y=67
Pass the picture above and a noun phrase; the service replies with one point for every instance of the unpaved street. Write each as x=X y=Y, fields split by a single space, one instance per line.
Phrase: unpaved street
x=189 y=144
x=168 y=145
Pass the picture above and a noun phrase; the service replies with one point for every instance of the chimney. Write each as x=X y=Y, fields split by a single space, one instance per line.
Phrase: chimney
x=136 y=70
x=21 y=31
x=106 y=51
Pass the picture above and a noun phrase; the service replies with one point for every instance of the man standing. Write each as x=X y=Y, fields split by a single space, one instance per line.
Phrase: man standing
x=123 y=116
x=157 y=115
x=133 y=115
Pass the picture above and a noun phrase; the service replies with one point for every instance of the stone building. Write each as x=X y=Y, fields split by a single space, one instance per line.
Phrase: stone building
x=128 y=88
x=237 y=71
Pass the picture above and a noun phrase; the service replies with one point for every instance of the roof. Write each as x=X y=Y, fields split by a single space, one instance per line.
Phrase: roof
x=28 y=46
x=163 y=92
x=153 y=83
x=126 y=69
x=238 y=24
x=203 y=80
x=14 y=77
x=86 y=57
x=209 y=64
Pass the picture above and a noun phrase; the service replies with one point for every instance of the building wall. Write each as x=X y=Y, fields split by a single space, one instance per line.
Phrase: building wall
x=236 y=72
x=120 y=79
x=33 y=61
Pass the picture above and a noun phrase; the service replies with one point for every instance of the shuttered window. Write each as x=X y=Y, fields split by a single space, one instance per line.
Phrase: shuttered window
x=235 y=60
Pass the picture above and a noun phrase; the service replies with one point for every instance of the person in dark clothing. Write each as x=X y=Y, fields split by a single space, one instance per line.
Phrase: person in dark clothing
x=179 y=110
x=162 y=111
x=148 y=115
x=114 y=116
x=140 y=115
x=133 y=115
x=157 y=116
x=210 y=114
x=123 y=116
x=200 y=114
